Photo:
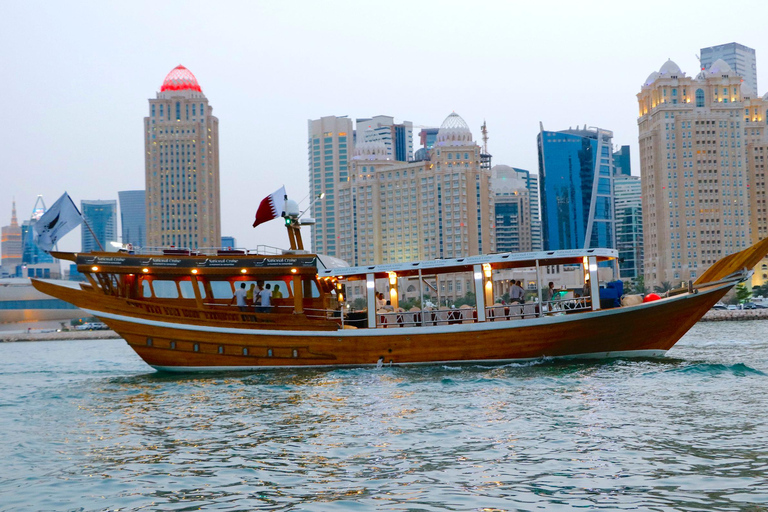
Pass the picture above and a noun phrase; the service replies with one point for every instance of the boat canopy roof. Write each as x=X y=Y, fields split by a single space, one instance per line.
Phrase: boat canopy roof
x=497 y=261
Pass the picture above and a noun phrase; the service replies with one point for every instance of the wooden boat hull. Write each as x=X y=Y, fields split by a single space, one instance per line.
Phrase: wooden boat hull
x=648 y=329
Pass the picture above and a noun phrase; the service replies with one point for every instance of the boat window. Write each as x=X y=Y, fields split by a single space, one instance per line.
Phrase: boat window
x=165 y=289
x=146 y=289
x=315 y=291
x=221 y=289
x=188 y=292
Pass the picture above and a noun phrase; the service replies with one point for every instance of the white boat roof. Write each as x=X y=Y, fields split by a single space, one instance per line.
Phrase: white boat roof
x=497 y=261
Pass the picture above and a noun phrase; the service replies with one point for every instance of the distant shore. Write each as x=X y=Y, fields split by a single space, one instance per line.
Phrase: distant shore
x=725 y=315
x=10 y=337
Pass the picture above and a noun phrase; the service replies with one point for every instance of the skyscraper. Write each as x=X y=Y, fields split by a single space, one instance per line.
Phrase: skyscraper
x=576 y=174
x=756 y=140
x=694 y=171
x=629 y=225
x=133 y=217
x=740 y=58
x=329 y=149
x=31 y=254
x=101 y=216
x=181 y=140
x=512 y=210
x=11 y=244
x=397 y=138
x=437 y=208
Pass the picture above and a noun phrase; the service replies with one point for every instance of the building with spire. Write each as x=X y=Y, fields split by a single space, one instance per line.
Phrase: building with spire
x=694 y=135
x=10 y=247
x=181 y=140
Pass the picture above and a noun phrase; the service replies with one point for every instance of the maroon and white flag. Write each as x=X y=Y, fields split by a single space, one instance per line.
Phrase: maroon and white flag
x=270 y=207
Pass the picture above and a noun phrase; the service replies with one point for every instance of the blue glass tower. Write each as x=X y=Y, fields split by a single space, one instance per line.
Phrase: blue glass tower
x=133 y=217
x=101 y=216
x=576 y=170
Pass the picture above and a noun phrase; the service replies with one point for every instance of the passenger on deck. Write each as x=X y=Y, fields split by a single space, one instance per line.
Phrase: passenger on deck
x=516 y=293
x=276 y=293
x=549 y=292
x=380 y=302
x=250 y=294
x=265 y=295
x=239 y=296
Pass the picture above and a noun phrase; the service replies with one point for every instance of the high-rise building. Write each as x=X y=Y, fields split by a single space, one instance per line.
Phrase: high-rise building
x=11 y=244
x=397 y=138
x=512 y=210
x=31 y=254
x=621 y=162
x=329 y=149
x=741 y=59
x=228 y=241
x=101 y=217
x=428 y=137
x=531 y=180
x=694 y=171
x=629 y=225
x=181 y=139
x=436 y=208
x=133 y=217
x=756 y=140
x=576 y=173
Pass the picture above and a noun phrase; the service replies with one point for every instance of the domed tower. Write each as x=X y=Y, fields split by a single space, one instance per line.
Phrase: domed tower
x=181 y=139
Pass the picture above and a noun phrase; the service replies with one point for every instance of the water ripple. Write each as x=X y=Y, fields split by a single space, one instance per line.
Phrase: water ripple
x=681 y=433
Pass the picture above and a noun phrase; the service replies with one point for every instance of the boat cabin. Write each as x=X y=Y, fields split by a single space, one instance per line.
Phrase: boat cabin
x=309 y=290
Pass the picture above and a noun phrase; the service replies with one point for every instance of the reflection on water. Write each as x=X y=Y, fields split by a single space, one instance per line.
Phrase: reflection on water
x=87 y=426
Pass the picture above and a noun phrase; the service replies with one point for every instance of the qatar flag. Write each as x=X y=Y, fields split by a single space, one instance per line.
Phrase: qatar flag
x=270 y=207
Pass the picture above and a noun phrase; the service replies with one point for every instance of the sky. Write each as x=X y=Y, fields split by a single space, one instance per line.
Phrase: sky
x=76 y=76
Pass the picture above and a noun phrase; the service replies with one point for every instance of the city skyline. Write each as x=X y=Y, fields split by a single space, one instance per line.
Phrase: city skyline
x=262 y=75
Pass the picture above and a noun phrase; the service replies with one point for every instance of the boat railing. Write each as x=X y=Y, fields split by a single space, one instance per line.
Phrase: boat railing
x=560 y=306
x=416 y=317
x=203 y=251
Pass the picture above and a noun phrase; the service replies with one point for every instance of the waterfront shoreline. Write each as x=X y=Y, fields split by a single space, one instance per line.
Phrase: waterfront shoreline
x=57 y=336
x=725 y=315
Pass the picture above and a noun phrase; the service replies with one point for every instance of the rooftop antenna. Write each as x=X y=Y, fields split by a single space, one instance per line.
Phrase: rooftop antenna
x=484 y=131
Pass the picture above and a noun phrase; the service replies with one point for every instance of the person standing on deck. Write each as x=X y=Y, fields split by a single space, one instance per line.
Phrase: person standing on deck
x=239 y=296
x=265 y=294
x=549 y=292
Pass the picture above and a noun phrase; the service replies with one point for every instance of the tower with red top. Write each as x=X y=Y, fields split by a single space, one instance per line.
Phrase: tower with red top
x=181 y=139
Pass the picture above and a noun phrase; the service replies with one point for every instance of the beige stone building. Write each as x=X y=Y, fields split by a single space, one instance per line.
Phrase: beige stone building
x=181 y=140
x=756 y=136
x=693 y=164
x=438 y=208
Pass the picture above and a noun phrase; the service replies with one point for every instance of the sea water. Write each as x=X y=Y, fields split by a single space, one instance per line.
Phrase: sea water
x=86 y=425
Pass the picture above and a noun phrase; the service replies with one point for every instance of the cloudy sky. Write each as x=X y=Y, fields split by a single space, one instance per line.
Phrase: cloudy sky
x=75 y=77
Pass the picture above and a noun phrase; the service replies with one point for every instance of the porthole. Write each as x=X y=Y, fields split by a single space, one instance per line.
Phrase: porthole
x=295 y=353
x=269 y=353
x=221 y=349
x=173 y=345
x=149 y=342
x=245 y=351
x=196 y=348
